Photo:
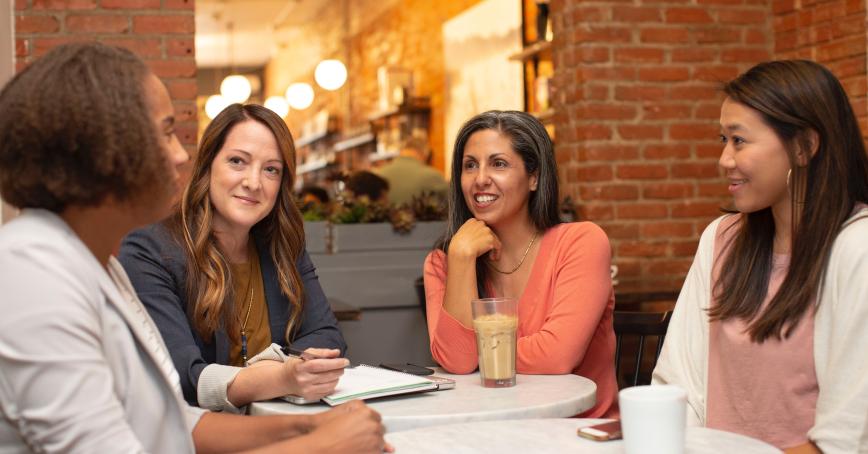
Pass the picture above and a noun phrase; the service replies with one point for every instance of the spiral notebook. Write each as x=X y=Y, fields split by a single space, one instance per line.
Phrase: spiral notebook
x=367 y=382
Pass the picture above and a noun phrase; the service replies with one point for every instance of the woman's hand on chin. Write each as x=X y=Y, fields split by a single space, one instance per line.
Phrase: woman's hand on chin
x=473 y=239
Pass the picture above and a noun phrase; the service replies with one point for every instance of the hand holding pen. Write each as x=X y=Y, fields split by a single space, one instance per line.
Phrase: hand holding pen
x=314 y=372
x=310 y=353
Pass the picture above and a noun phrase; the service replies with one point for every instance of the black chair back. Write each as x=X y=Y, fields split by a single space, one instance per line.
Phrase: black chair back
x=641 y=325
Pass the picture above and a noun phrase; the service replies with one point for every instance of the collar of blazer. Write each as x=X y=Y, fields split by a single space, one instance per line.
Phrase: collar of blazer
x=135 y=315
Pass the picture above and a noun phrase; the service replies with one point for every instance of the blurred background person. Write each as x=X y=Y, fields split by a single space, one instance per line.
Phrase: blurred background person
x=367 y=184
x=409 y=173
x=313 y=194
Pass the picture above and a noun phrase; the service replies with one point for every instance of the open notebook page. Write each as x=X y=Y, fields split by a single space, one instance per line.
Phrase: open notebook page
x=365 y=382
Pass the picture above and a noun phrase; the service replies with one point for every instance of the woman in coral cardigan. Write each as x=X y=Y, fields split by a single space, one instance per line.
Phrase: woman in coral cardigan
x=504 y=238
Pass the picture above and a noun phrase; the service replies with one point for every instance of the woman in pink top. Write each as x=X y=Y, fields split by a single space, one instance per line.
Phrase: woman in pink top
x=504 y=238
x=768 y=336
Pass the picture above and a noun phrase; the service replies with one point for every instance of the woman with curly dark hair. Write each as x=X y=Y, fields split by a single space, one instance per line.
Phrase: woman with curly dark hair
x=88 y=152
x=227 y=278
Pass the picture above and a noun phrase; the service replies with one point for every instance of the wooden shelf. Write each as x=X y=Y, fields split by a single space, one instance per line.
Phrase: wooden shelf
x=415 y=105
x=531 y=51
x=536 y=62
x=354 y=141
x=309 y=139
x=311 y=166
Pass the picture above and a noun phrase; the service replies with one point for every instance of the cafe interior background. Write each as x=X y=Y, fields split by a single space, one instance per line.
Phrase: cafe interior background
x=627 y=89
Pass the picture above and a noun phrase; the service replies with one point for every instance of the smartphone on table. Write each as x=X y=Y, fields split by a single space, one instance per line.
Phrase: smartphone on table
x=408 y=368
x=602 y=432
x=442 y=383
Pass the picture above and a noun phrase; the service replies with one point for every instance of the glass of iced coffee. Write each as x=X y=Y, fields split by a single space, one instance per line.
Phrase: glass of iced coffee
x=495 y=321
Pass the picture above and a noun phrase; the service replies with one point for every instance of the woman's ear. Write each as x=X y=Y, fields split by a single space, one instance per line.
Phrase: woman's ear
x=811 y=144
x=534 y=181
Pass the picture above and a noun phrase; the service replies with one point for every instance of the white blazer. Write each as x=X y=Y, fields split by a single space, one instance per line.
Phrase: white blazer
x=83 y=369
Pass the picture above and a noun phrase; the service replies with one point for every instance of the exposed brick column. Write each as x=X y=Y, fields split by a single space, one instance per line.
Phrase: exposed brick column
x=159 y=31
x=637 y=105
x=832 y=33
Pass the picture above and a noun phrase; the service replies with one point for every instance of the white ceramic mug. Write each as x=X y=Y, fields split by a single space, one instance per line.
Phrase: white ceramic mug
x=653 y=419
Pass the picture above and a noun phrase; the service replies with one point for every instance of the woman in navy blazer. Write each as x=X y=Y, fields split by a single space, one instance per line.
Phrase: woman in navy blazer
x=210 y=280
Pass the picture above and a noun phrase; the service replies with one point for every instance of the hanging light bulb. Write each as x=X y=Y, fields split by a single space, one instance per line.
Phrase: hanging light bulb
x=330 y=74
x=214 y=105
x=235 y=88
x=299 y=95
x=278 y=105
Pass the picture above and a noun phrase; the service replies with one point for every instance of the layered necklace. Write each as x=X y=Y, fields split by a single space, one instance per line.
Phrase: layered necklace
x=520 y=262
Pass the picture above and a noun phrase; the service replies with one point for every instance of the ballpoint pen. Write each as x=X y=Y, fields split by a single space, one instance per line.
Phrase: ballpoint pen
x=305 y=355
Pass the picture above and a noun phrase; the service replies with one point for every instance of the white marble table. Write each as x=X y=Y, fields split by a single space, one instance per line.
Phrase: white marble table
x=534 y=396
x=556 y=436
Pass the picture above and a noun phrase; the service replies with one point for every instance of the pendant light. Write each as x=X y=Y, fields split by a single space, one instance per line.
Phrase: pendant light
x=278 y=105
x=214 y=105
x=235 y=87
x=330 y=74
x=299 y=95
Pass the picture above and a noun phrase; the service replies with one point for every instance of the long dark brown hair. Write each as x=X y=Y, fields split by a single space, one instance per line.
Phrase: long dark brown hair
x=531 y=141
x=796 y=98
x=209 y=280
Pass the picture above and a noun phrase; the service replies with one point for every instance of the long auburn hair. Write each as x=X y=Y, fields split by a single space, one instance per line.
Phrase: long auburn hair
x=794 y=98
x=209 y=280
x=531 y=141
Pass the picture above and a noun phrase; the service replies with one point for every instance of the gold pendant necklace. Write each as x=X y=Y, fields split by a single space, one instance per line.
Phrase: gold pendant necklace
x=247 y=317
x=520 y=262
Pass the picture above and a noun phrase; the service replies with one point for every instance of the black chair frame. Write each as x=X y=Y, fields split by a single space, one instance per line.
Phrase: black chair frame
x=641 y=324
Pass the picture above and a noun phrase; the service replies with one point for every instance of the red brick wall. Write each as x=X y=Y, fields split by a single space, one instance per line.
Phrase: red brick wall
x=637 y=107
x=160 y=31
x=829 y=32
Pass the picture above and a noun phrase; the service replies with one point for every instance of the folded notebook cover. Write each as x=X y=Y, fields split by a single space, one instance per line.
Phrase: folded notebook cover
x=367 y=382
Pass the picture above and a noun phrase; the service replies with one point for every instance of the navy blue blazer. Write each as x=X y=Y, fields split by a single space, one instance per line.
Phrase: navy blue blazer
x=156 y=265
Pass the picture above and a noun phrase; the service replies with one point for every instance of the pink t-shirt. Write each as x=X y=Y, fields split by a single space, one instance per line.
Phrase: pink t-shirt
x=766 y=391
x=564 y=314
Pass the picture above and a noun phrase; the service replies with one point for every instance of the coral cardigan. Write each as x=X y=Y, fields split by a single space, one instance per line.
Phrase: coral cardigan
x=564 y=315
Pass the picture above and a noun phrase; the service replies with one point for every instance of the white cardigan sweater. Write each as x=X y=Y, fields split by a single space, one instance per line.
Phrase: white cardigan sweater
x=840 y=340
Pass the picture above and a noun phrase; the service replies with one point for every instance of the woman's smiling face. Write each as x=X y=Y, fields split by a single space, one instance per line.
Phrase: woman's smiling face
x=494 y=180
x=754 y=159
x=245 y=177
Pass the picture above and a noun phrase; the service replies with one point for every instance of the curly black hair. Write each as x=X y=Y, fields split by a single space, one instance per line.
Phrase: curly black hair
x=75 y=128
